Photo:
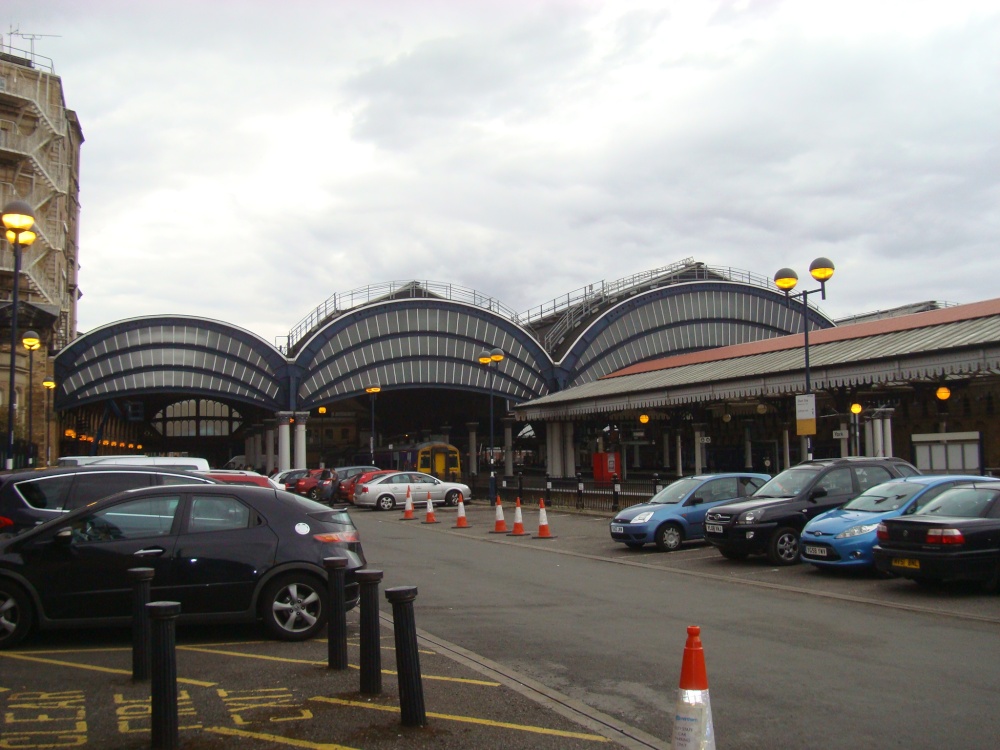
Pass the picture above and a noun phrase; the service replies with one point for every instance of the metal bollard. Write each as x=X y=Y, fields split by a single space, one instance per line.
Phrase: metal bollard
x=336 y=623
x=520 y=484
x=371 y=633
x=579 y=492
x=411 y=689
x=141 y=579
x=656 y=484
x=548 y=491
x=616 y=490
x=163 y=688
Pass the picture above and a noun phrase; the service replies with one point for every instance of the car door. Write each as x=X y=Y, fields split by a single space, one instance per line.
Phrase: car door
x=711 y=493
x=420 y=485
x=81 y=570
x=223 y=548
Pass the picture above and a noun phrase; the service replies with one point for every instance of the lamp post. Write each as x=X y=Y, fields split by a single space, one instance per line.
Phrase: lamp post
x=372 y=390
x=49 y=385
x=18 y=220
x=31 y=343
x=322 y=428
x=820 y=269
x=492 y=359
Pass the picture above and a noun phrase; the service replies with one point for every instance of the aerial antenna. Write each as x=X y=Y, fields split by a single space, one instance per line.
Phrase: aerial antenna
x=30 y=37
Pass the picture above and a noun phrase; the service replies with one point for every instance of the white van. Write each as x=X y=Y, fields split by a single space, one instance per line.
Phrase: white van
x=188 y=463
x=84 y=460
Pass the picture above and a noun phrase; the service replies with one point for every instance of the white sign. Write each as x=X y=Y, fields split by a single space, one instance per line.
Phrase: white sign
x=841 y=434
x=805 y=414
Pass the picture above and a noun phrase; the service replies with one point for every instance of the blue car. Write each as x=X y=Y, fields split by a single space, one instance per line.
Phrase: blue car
x=677 y=512
x=844 y=537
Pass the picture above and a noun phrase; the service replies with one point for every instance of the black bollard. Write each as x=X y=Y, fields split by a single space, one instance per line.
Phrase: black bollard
x=579 y=491
x=616 y=490
x=520 y=484
x=336 y=624
x=548 y=491
x=411 y=689
x=656 y=484
x=371 y=633
x=163 y=689
x=141 y=579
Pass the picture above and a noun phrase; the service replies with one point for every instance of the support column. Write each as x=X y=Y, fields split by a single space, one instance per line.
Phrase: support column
x=747 y=447
x=699 y=433
x=786 y=452
x=284 y=434
x=845 y=444
x=259 y=459
x=869 y=439
x=508 y=446
x=554 y=443
x=877 y=447
x=665 y=443
x=473 y=448
x=248 y=455
x=569 y=450
x=887 y=433
x=269 y=428
x=301 y=458
x=680 y=454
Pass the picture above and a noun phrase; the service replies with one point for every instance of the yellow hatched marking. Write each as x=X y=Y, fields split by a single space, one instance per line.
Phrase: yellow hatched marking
x=93 y=668
x=275 y=739
x=470 y=720
x=286 y=660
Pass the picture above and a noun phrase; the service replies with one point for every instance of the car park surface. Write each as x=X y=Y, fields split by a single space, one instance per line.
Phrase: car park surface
x=388 y=491
x=676 y=513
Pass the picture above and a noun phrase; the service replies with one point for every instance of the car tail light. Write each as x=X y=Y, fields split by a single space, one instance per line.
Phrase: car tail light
x=338 y=536
x=944 y=536
x=882 y=532
x=364 y=488
x=5 y=522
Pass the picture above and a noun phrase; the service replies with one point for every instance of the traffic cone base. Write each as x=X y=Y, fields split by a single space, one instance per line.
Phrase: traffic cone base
x=543 y=523
x=461 y=522
x=429 y=518
x=693 y=718
x=499 y=525
x=518 y=523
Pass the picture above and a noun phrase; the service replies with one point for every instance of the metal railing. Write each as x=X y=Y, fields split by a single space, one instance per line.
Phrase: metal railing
x=571 y=493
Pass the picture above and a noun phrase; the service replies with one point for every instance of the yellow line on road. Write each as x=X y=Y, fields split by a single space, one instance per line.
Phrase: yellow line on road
x=93 y=668
x=273 y=738
x=470 y=720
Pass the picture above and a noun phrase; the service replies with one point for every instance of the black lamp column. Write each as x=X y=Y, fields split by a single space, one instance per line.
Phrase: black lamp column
x=372 y=390
x=492 y=359
x=31 y=343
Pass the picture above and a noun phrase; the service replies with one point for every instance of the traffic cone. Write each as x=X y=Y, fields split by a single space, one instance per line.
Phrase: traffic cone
x=518 y=524
x=543 y=523
x=408 y=508
x=429 y=518
x=693 y=718
x=460 y=521
x=500 y=526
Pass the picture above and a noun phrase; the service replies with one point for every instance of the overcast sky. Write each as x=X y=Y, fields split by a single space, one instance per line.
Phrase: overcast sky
x=246 y=160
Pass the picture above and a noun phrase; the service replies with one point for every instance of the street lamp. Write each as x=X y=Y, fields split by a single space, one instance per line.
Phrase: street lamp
x=49 y=385
x=31 y=343
x=372 y=390
x=492 y=359
x=18 y=220
x=820 y=269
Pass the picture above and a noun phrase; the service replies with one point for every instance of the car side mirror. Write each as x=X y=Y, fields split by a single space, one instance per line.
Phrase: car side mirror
x=817 y=493
x=63 y=536
x=696 y=500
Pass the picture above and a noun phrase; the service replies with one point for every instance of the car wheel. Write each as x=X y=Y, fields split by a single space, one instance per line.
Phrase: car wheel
x=451 y=498
x=633 y=545
x=16 y=614
x=669 y=537
x=386 y=502
x=313 y=494
x=783 y=549
x=294 y=606
x=732 y=554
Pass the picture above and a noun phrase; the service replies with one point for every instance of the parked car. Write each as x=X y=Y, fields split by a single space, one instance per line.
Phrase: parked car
x=316 y=483
x=770 y=521
x=227 y=553
x=28 y=498
x=676 y=513
x=844 y=537
x=388 y=491
x=955 y=537
x=288 y=477
x=349 y=484
x=344 y=475
x=237 y=476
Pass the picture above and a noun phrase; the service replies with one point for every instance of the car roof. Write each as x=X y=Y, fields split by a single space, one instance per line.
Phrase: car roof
x=937 y=478
x=21 y=475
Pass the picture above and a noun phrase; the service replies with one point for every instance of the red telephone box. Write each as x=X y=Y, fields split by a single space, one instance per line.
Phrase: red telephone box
x=606 y=466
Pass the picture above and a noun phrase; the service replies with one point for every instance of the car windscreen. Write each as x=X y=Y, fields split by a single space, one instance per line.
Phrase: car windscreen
x=884 y=497
x=788 y=483
x=964 y=502
x=675 y=491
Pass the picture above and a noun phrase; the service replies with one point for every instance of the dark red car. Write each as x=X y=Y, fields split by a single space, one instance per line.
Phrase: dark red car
x=346 y=489
x=316 y=484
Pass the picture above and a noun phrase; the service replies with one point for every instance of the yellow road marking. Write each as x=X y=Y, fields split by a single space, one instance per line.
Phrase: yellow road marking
x=77 y=650
x=276 y=739
x=286 y=660
x=470 y=720
x=92 y=668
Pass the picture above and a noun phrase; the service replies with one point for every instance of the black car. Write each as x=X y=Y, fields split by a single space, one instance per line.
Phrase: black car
x=227 y=553
x=770 y=521
x=28 y=498
x=955 y=537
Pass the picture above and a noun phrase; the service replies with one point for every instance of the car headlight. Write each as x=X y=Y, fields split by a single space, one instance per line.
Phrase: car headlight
x=857 y=531
x=750 y=516
x=643 y=517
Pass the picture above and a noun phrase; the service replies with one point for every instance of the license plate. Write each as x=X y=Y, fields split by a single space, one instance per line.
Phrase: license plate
x=713 y=528
x=905 y=562
x=617 y=529
x=816 y=551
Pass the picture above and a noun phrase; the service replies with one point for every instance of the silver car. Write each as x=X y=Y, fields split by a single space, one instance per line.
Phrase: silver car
x=388 y=491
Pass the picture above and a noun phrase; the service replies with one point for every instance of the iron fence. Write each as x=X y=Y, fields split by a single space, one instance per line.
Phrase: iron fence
x=577 y=493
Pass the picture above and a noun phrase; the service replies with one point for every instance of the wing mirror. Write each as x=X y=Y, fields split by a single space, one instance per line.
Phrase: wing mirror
x=817 y=493
x=63 y=536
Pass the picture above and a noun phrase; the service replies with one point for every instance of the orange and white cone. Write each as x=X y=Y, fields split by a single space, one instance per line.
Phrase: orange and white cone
x=500 y=525
x=461 y=522
x=429 y=518
x=543 y=523
x=693 y=728
x=408 y=508
x=518 y=523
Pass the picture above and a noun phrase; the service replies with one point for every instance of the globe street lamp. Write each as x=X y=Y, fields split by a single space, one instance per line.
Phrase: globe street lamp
x=372 y=390
x=18 y=220
x=820 y=269
x=49 y=385
x=31 y=343
x=492 y=359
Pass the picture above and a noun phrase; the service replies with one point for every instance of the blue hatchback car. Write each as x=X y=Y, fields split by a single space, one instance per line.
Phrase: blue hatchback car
x=844 y=537
x=677 y=512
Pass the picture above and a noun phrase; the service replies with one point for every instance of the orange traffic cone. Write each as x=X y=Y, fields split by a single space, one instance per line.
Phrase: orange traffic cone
x=543 y=523
x=460 y=521
x=429 y=518
x=408 y=508
x=500 y=526
x=693 y=717
x=518 y=524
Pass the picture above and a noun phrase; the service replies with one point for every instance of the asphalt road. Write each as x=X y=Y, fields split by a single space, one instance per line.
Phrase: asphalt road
x=796 y=659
